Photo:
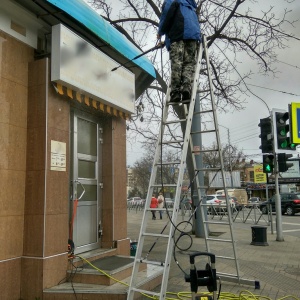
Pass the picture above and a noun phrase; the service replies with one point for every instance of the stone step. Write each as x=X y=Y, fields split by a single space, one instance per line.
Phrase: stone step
x=148 y=279
x=103 y=271
x=92 y=256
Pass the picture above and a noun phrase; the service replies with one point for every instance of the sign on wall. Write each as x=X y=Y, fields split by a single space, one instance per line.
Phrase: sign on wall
x=58 y=156
x=259 y=175
x=80 y=66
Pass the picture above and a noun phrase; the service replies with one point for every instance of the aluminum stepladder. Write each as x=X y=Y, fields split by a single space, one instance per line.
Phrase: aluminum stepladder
x=186 y=147
x=226 y=219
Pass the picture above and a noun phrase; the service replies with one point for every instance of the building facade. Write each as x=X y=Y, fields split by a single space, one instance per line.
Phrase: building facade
x=62 y=139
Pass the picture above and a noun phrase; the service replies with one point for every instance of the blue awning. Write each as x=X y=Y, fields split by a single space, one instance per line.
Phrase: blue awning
x=89 y=18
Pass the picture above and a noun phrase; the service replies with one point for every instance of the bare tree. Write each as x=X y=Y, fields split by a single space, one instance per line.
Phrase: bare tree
x=142 y=171
x=235 y=30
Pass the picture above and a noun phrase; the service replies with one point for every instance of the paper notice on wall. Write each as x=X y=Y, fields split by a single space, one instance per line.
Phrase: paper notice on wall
x=58 y=156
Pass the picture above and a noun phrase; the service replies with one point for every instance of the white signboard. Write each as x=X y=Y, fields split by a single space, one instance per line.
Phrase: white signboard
x=58 y=156
x=80 y=66
x=231 y=179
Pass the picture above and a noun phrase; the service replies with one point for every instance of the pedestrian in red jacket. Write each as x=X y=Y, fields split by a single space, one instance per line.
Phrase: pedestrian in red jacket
x=153 y=204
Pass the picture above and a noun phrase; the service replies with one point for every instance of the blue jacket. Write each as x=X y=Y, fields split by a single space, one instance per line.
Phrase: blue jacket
x=179 y=21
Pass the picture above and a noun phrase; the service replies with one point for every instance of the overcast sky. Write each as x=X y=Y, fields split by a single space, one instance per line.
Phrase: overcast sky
x=276 y=92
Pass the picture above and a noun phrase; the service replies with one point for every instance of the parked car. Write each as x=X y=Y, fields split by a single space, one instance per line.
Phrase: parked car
x=169 y=203
x=215 y=200
x=253 y=200
x=219 y=202
x=239 y=194
x=135 y=201
x=290 y=204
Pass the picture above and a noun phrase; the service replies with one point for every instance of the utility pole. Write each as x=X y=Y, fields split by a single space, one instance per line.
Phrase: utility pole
x=197 y=140
x=229 y=154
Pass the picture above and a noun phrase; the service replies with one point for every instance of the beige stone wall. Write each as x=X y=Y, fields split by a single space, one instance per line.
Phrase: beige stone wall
x=47 y=192
x=114 y=191
x=14 y=58
x=34 y=201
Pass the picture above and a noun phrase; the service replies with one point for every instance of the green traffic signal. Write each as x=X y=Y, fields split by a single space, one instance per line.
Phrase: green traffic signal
x=268 y=163
x=283 y=145
x=282 y=130
x=268 y=168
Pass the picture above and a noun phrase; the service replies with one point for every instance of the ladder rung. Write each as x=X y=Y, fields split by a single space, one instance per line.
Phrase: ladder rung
x=146 y=292
x=203 y=112
x=178 y=103
x=236 y=279
x=216 y=223
x=208 y=169
x=214 y=205
x=168 y=163
x=208 y=150
x=174 y=122
x=149 y=262
x=155 y=235
x=171 y=142
x=220 y=240
x=225 y=257
x=203 y=131
x=165 y=185
x=162 y=209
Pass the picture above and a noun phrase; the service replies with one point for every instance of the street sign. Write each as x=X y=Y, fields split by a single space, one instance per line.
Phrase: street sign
x=282 y=180
x=259 y=175
x=295 y=124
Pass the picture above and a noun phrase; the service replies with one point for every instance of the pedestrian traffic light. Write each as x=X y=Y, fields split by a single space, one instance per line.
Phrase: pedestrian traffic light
x=268 y=163
x=283 y=164
x=281 y=130
x=266 y=136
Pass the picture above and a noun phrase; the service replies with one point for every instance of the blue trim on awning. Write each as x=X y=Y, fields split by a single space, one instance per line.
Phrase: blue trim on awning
x=84 y=14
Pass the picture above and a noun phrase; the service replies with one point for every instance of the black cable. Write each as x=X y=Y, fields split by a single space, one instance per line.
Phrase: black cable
x=70 y=278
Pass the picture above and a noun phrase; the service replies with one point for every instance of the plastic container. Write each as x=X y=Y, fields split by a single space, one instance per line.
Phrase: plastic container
x=133 y=246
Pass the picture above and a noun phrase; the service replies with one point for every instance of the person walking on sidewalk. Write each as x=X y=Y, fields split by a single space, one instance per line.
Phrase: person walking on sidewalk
x=180 y=25
x=153 y=204
x=160 y=200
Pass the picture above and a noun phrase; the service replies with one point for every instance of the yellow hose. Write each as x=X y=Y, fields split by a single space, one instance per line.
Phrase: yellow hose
x=243 y=295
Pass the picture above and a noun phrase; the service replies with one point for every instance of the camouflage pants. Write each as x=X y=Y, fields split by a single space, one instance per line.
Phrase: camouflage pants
x=183 y=61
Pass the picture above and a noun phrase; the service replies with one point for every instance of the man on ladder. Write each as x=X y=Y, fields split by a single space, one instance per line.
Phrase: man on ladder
x=180 y=25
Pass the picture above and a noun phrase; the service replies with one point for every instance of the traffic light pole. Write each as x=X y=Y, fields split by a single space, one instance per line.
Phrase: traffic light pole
x=279 y=233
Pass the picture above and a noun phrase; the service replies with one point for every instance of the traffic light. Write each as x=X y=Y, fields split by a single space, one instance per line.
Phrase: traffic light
x=266 y=136
x=268 y=163
x=282 y=129
x=283 y=165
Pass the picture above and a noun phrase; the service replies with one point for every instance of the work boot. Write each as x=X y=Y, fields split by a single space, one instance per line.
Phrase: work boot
x=186 y=92
x=175 y=96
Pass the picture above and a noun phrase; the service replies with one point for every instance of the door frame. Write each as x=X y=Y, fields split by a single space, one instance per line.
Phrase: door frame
x=75 y=189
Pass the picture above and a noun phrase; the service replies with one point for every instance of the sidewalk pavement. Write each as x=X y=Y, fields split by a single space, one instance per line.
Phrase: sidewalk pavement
x=275 y=266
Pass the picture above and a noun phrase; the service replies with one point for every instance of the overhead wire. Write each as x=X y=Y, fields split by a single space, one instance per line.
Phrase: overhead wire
x=243 y=79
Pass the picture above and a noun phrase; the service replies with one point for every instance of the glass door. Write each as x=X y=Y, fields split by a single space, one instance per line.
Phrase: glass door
x=86 y=171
